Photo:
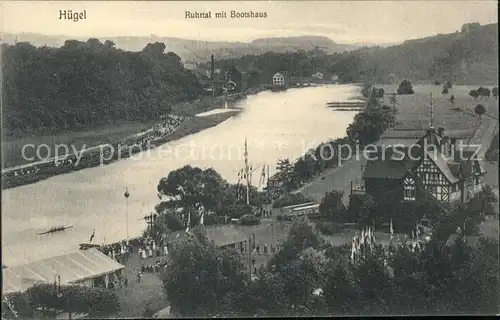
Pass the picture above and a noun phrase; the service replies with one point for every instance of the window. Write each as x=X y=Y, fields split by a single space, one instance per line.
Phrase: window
x=477 y=181
x=410 y=192
x=454 y=188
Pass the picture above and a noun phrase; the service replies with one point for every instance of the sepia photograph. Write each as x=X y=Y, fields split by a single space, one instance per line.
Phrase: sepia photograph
x=206 y=159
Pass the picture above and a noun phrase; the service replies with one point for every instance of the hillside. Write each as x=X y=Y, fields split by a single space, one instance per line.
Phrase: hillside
x=466 y=57
x=470 y=56
x=194 y=50
x=302 y=43
x=84 y=84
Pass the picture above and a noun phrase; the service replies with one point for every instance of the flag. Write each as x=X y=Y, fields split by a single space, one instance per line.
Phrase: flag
x=189 y=222
x=373 y=234
x=92 y=236
x=391 y=230
x=201 y=219
x=353 y=249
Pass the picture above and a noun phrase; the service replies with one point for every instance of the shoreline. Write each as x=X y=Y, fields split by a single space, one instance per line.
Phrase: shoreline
x=192 y=124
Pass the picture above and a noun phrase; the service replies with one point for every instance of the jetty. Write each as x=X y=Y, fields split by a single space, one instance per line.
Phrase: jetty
x=347 y=104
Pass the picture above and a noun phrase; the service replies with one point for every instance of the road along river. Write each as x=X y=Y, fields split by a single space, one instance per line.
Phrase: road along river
x=277 y=125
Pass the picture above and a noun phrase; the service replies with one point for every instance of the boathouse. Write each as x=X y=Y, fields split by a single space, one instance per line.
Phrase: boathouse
x=89 y=268
x=409 y=165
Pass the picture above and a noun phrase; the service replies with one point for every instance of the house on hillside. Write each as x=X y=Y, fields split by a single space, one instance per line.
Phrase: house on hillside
x=410 y=165
x=280 y=79
x=239 y=76
x=318 y=75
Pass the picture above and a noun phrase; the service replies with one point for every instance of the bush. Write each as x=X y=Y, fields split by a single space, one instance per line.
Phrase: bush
x=249 y=220
x=328 y=228
x=291 y=199
x=405 y=87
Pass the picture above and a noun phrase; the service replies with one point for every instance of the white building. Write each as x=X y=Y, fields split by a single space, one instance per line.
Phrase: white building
x=318 y=75
x=278 y=79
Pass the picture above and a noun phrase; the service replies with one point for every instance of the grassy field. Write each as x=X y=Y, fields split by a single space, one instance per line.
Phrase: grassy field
x=413 y=111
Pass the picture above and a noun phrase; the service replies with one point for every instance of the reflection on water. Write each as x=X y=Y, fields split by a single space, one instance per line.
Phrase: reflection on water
x=278 y=125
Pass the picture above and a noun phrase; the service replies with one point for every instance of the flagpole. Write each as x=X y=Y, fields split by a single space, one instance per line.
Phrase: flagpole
x=126 y=194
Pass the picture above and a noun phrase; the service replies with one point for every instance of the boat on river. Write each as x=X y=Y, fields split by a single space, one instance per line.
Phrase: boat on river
x=56 y=229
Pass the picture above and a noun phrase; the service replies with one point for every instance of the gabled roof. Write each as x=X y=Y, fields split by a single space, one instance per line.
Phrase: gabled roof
x=443 y=166
x=384 y=168
x=221 y=236
x=240 y=69
x=72 y=268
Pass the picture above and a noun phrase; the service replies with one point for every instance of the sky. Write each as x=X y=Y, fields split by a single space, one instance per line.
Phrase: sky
x=342 y=21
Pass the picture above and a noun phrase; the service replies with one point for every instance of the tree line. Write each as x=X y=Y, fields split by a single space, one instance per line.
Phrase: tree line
x=310 y=277
x=462 y=57
x=83 y=84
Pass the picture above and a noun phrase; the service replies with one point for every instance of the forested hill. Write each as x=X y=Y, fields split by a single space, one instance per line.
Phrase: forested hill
x=196 y=50
x=469 y=57
x=82 y=84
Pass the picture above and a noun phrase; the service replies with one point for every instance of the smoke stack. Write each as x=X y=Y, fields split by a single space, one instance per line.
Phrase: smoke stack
x=212 y=67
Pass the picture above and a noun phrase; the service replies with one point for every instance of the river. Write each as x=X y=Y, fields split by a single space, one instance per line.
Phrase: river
x=277 y=125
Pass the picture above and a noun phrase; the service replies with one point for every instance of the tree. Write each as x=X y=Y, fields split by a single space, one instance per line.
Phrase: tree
x=195 y=265
x=494 y=92
x=369 y=124
x=474 y=94
x=332 y=207
x=362 y=208
x=381 y=92
x=73 y=299
x=83 y=84
x=484 y=92
x=480 y=110
x=285 y=169
x=192 y=188
x=405 y=87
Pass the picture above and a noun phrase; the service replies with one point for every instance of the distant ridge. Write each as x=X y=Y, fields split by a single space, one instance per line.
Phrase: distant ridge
x=195 y=50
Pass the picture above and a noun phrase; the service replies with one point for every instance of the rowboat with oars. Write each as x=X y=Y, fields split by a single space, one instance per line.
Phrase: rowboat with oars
x=56 y=229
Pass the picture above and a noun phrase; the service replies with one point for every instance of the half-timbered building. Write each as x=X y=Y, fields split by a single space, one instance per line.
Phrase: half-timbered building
x=407 y=168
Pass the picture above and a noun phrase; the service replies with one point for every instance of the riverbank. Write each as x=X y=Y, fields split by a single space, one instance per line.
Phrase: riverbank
x=411 y=113
x=12 y=148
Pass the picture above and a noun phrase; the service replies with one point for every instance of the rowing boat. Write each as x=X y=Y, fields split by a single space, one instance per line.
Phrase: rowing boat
x=56 y=229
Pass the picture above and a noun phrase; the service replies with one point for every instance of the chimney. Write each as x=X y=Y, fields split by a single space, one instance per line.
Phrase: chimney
x=212 y=75
x=212 y=68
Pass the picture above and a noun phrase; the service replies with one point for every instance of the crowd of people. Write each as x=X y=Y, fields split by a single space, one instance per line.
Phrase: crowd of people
x=168 y=125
